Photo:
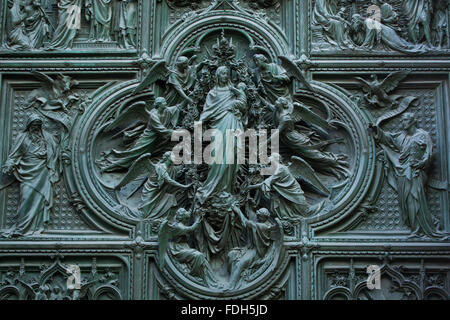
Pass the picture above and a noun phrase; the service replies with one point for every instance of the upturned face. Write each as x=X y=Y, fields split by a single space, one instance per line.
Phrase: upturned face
x=279 y=104
x=183 y=64
x=262 y=217
x=407 y=122
x=222 y=75
x=162 y=104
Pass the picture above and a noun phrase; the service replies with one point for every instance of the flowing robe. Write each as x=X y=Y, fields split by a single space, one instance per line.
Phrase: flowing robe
x=68 y=25
x=417 y=12
x=154 y=139
x=36 y=163
x=221 y=111
x=289 y=202
x=125 y=23
x=302 y=145
x=388 y=37
x=158 y=194
x=183 y=80
x=402 y=150
x=27 y=28
x=275 y=89
x=325 y=15
x=192 y=258
x=103 y=16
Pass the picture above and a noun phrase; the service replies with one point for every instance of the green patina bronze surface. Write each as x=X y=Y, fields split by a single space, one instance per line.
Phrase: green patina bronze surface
x=101 y=98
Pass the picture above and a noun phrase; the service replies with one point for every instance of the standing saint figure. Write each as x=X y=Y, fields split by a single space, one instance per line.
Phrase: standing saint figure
x=100 y=15
x=69 y=23
x=34 y=163
x=125 y=23
x=409 y=154
x=418 y=14
x=223 y=111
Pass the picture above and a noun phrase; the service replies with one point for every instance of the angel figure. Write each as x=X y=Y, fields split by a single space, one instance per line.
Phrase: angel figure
x=377 y=92
x=274 y=80
x=158 y=195
x=174 y=239
x=56 y=102
x=282 y=188
x=286 y=115
x=154 y=137
x=180 y=79
x=266 y=235
x=57 y=92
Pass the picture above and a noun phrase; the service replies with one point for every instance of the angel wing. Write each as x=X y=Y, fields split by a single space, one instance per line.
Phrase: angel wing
x=46 y=85
x=45 y=79
x=141 y=165
x=164 y=235
x=294 y=70
x=392 y=81
x=301 y=112
x=300 y=168
x=137 y=110
x=158 y=72
x=367 y=88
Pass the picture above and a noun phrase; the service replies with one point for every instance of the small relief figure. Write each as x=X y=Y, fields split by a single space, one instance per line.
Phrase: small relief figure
x=158 y=195
x=409 y=154
x=125 y=23
x=368 y=33
x=377 y=92
x=174 y=236
x=99 y=13
x=285 y=193
x=273 y=79
x=418 y=15
x=28 y=25
x=180 y=79
x=223 y=112
x=153 y=138
x=327 y=15
x=42 y=293
x=385 y=13
x=69 y=23
x=264 y=234
x=34 y=163
x=440 y=23
x=286 y=115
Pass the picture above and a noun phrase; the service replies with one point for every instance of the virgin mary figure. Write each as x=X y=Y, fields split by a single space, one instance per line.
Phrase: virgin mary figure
x=223 y=111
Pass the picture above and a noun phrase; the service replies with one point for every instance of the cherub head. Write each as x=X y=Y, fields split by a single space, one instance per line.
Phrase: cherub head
x=182 y=62
x=263 y=215
x=168 y=158
x=182 y=215
x=160 y=103
x=260 y=60
x=282 y=103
